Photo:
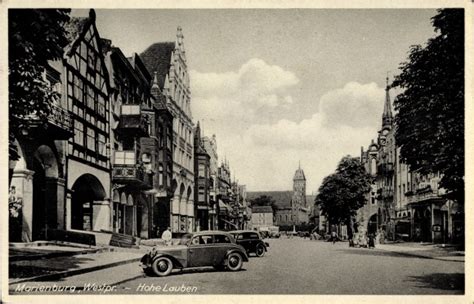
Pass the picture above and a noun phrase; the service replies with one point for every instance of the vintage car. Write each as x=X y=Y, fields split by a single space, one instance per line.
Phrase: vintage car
x=200 y=249
x=251 y=241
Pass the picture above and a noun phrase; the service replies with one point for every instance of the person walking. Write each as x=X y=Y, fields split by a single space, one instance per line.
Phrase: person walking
x=334 y=237
x=371 y=243
x=166 y=236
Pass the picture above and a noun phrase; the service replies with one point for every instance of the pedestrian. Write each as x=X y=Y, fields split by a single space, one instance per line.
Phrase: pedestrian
x=371 y=242
x=166 y=236
x=334 y=237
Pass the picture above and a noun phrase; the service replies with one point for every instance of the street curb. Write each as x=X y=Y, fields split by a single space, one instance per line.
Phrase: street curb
x=422 y=256
x=57 y=254
x=68 y=273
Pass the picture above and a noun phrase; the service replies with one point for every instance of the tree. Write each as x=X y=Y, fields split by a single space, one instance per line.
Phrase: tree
x=342 y=193
x=430 y=118
x=264 y=200
x=35 y=37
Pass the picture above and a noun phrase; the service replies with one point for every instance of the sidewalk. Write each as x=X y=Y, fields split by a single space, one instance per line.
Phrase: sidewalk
x=429 y=251
x=54 y=262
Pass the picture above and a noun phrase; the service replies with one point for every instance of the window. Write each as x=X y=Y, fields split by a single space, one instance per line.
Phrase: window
x=90 y=139
x=102 y=149
x=218 y=238
x=78 y=133
x=202 y=240
x=201 y=195
x=160 y=175
x=202 y=170
x=125 y=157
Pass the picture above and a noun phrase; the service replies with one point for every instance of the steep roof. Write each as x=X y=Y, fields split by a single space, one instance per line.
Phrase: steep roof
x=157 y=58
x=282 y=198
x=299 y=175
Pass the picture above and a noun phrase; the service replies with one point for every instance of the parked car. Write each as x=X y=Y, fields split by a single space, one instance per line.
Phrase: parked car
x=200 y=249
x=252 y=241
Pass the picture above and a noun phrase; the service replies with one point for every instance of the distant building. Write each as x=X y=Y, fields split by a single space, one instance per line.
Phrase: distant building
x=262 y=216
x=210 y=145
x=291 y=206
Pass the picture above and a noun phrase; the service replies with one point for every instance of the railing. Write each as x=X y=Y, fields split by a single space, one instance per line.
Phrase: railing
x=128 y=172
x=59 y=122
x=422 y=196
x=60 y=117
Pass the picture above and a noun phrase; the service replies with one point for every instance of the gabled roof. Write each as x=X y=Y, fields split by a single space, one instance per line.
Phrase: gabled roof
x=157 y=58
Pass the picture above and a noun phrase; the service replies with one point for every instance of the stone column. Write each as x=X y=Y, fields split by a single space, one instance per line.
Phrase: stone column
x=68 y=211
x=101 y=215
x=22 y=180
x=432 y=223
x=55 y=202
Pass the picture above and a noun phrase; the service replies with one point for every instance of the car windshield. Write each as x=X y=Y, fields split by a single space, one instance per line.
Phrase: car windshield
x=185 y=239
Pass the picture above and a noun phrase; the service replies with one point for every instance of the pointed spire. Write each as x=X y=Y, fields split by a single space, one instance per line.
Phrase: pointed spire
x=155 y=81
x=299 y=164
x=387 y=117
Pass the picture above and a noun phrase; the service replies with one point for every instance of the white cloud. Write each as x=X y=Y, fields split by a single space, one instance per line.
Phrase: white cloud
x=265 y=154
x=353 y=105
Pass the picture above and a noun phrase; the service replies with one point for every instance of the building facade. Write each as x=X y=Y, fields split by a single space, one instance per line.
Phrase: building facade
x=402 y=203
x=262 y=216
x=202 y=182
x=168 y=60
x=132 y=169
x=210 y=145
x=88 y=183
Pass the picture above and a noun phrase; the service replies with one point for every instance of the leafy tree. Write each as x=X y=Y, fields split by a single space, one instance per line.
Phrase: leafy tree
x=342 y=193
x=430 y=119
x=264 y=200
x=35 y=37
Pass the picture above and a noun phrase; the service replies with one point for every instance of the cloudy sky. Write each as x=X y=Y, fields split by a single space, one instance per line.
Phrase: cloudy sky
x=281 y=86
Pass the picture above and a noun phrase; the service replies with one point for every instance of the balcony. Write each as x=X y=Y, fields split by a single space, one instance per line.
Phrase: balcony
x=127 y=171
x=133 y=121
x=419 y=197
x=385 y=169
x=58 y=124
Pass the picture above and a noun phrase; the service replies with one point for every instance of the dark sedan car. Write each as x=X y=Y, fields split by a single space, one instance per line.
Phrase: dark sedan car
x=205 y=248
x=251 y=241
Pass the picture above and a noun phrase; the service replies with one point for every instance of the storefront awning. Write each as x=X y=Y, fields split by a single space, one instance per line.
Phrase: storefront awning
x=223 y=205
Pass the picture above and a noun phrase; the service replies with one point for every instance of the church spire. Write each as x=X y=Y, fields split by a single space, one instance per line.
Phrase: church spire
x=387 y=117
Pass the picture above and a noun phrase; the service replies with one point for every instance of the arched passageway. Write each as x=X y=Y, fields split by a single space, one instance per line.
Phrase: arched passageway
x=86 y=190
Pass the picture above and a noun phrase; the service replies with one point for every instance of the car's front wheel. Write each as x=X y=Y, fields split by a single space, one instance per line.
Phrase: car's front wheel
x=260 y=250
x=162 y=266
x=234 y=261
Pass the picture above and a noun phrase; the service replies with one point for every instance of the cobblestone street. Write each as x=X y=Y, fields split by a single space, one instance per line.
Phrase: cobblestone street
x=294 y=266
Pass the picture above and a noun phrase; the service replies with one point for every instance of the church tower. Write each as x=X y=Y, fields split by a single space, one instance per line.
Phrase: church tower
x=299 y=188
x=387 y=116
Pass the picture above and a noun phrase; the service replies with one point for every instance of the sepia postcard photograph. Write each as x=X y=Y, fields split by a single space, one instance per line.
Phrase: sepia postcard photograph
x=236 y=149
